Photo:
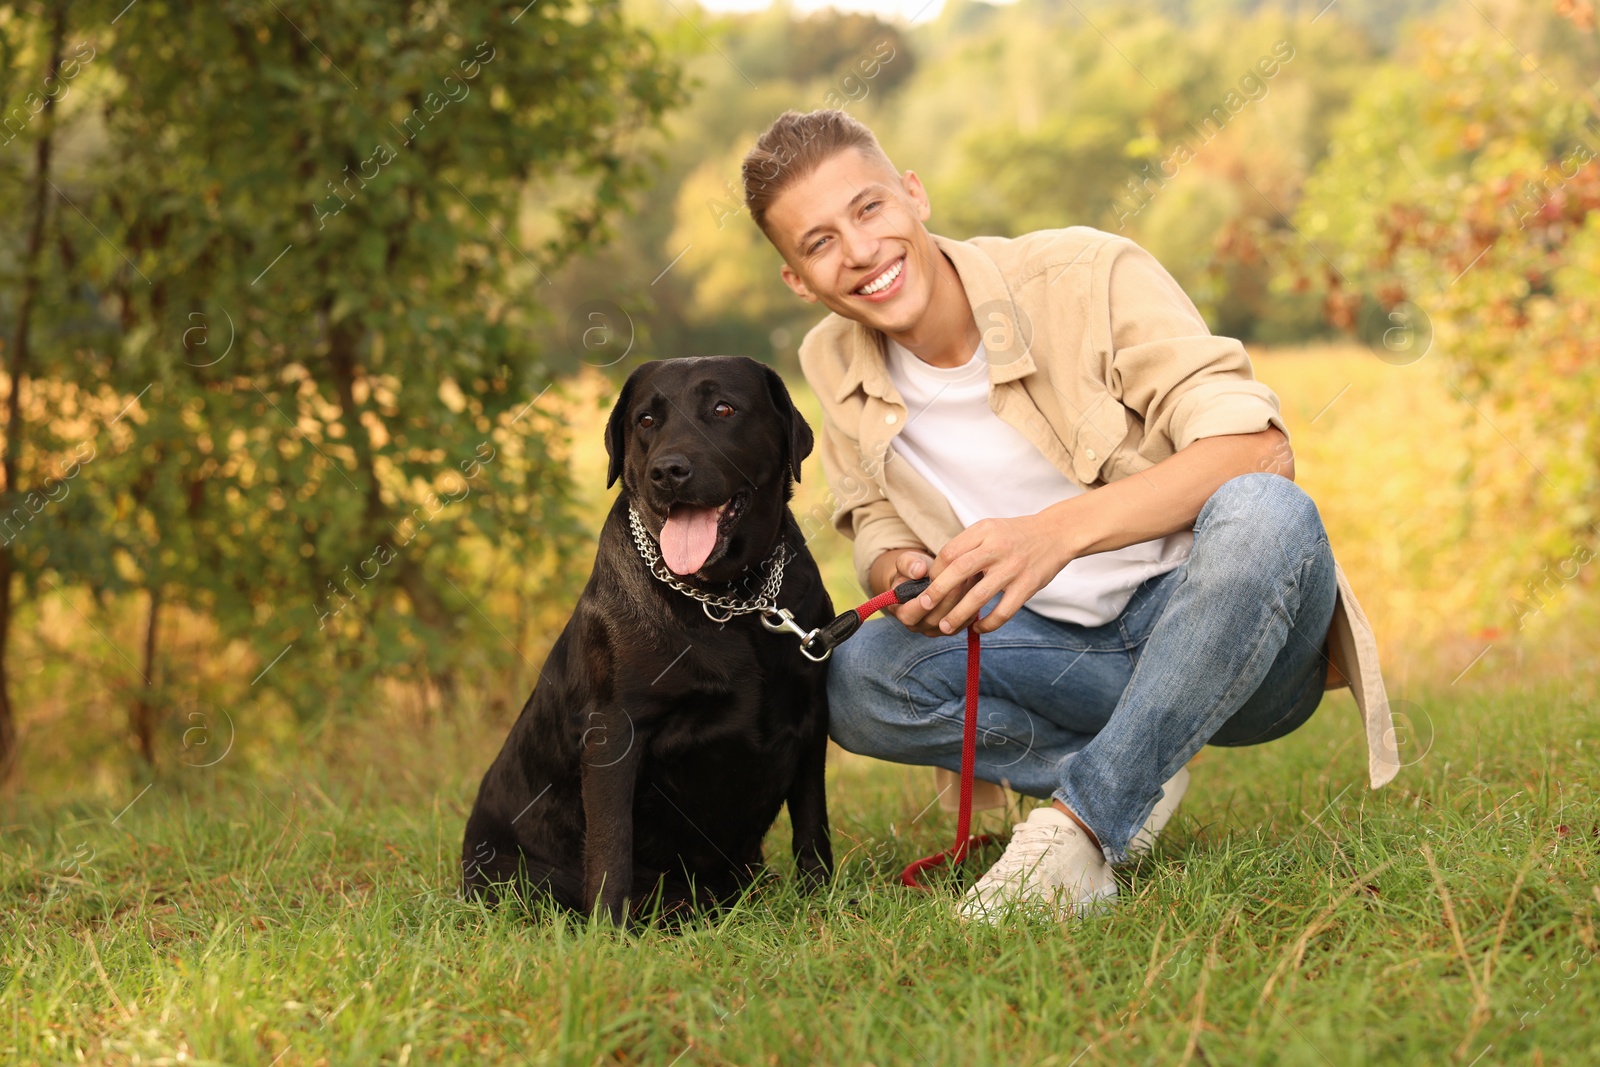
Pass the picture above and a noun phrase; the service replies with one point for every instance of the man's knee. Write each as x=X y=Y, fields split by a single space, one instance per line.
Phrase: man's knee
x=859 y=692
x=1263 y=509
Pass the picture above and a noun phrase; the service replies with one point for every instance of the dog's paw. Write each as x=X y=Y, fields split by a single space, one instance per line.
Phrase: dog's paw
x=816 y=869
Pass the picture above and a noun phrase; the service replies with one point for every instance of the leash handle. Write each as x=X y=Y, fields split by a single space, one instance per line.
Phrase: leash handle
x=847 y=623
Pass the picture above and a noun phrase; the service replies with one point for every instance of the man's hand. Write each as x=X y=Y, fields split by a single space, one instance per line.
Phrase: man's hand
x=1019 y=556
x=902 y=564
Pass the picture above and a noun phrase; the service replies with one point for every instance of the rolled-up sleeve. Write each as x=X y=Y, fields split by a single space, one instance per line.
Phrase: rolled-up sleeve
x=1183 y=381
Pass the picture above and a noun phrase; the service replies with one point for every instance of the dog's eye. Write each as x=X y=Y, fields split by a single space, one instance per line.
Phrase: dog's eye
x=647 y=420
x=723 y=409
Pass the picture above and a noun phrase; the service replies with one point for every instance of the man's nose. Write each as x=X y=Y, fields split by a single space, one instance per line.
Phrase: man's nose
x=860 y=247
x=670 y=471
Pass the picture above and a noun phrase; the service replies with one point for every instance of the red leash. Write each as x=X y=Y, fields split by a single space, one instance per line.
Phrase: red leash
x=847 y=624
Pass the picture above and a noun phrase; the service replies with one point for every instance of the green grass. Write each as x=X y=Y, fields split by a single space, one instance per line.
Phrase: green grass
x=299 y=907
x=295 y=903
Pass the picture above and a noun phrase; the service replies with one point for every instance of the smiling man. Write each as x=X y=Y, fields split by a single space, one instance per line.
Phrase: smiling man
x=1046 y=427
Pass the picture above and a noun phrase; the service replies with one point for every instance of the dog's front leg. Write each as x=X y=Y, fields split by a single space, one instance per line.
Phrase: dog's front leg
x=611 y=756
x=808 y=812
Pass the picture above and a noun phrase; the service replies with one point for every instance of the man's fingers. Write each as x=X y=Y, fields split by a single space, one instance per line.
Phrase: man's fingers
x=949 y=579
x=944 y=608
x=922 y=621
x=927 y=622
x=957 y=545
x=910 y=614
x=1001 y=614
x=967 y=609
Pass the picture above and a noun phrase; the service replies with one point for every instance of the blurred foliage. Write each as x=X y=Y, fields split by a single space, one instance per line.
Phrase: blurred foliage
x=1036 y=114
x=297 y=284
x=1463 y=198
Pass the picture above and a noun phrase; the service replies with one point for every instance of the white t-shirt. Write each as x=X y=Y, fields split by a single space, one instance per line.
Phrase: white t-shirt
x=987 y=469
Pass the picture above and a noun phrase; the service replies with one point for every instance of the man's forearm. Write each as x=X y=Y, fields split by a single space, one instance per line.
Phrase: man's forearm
x=1168 y=497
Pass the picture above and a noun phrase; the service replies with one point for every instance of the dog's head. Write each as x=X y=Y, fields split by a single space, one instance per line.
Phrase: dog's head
x=708 y=449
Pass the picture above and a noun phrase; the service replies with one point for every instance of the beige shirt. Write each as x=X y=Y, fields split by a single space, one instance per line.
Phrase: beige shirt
x=1102 y=362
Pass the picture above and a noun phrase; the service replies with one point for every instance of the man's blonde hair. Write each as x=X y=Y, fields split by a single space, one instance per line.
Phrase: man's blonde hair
x=795 y=145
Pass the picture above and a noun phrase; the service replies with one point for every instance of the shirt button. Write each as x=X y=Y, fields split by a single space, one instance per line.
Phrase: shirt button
x=891 y=418
x=1090 y=454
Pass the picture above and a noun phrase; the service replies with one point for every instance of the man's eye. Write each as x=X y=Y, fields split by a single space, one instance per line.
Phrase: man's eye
x=872 y=205
x=723 y=409
x=647 y=420
x=818 y=243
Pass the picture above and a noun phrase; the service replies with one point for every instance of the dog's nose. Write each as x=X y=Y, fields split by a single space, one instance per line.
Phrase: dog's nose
x=670 y=472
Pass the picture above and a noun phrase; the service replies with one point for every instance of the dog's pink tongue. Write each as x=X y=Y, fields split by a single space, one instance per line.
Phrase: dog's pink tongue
x=688 y=538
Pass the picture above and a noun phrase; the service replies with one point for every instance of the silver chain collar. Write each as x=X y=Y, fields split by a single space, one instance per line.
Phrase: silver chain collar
x=775 y=619
x=764 y=601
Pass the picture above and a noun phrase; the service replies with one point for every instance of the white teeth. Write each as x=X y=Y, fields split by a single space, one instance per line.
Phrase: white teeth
x=884 y=280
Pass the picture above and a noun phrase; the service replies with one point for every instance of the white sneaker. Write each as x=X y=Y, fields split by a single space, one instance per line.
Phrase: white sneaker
x=1171 y=795
x=1050 y=869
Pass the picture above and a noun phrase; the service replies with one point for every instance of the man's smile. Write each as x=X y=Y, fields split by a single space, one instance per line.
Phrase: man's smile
x=884 y=284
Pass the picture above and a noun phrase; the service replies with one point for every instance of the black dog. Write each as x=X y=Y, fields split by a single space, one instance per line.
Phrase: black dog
x=658 y=744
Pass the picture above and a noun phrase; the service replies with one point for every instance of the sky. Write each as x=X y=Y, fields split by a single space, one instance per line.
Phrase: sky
x=909 y=10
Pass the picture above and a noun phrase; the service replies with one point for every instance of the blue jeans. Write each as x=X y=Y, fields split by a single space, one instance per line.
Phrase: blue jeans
x=1227 y=650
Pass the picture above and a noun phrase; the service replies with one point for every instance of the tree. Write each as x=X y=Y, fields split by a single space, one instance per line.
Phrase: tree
x=1463 y=194
x=25 y=495
x=328 y=232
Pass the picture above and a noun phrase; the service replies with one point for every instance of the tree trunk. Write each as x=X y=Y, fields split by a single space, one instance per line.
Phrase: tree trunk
x=17 y=367
x=143 y=716
x=343 y=339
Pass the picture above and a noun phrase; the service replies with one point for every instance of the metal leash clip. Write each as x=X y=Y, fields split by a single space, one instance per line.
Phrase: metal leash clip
x=786 y=623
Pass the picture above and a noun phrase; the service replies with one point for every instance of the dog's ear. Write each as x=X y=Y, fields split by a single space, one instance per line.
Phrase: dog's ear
x=799 y=433
x=618 y=425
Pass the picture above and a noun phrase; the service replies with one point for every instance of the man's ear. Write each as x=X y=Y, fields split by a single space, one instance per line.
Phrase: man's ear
x=619 y=425
x=917 y=194
x=799 y=432
x=796 y=283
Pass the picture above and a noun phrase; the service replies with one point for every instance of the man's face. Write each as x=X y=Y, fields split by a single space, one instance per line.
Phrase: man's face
x=852 y=238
